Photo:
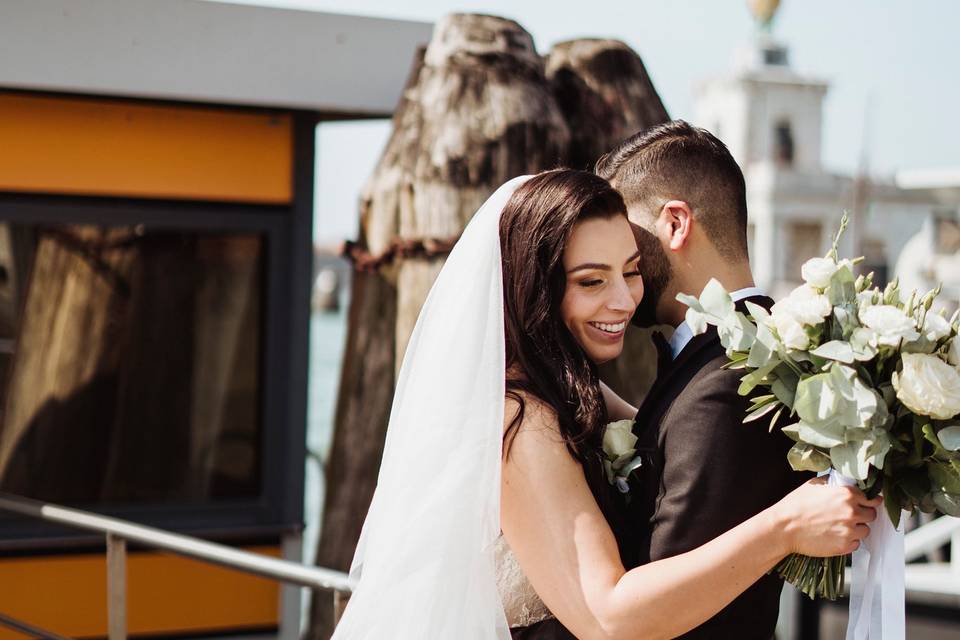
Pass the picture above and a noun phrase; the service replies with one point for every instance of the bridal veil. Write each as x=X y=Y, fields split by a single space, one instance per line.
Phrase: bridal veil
x=424 y=566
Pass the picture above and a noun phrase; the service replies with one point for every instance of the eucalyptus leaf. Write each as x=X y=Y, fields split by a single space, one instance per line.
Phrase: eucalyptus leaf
x=893 y=506
x=786 y=390
x=950 y=438
x=821 y=435
x=752 y=379
x=947 y=503
x=776 y=417
x=715 y=300
x=850 y=459
x=835 y=350
x=803 y=457
x=758 y=313
x=943 y=477
x=791 y=431
x=764 y=347
x=930 y=435
x=761 y=411
x=736 y=332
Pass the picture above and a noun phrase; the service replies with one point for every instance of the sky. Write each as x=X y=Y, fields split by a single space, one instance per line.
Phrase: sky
x=891 y=65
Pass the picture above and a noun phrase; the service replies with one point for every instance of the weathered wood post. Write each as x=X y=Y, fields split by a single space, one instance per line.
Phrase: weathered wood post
x=475 y=113
x=606 y=96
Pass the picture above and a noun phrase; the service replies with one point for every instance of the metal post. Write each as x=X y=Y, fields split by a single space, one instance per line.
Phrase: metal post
x=116 y=587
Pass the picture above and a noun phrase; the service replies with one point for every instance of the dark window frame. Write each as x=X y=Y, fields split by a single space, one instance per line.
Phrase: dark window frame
x=287 y=279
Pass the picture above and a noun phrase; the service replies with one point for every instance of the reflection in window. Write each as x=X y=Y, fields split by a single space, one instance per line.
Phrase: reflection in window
x=132 y=364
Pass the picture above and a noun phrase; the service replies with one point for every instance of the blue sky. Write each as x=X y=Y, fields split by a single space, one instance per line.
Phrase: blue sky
x=899 y=56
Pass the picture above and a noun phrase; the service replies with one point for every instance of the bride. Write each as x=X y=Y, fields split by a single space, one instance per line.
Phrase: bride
x=492 y=510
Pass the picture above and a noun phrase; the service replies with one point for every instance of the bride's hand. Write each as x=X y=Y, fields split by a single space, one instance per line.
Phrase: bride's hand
x=823 y=521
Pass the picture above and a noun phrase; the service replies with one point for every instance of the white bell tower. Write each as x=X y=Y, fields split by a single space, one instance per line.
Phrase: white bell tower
x=763 y=109
x=770 y=117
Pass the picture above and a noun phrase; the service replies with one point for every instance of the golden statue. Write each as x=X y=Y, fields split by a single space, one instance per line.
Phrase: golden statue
x=763 y=12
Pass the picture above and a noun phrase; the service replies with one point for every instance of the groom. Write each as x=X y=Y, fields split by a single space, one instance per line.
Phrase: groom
x=706 y=471
x=703 y=471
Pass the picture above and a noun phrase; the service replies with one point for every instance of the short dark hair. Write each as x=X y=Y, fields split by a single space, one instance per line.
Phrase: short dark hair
x=677 y=161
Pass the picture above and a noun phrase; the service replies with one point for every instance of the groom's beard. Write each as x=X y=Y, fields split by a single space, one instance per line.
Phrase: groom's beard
x=656 y=272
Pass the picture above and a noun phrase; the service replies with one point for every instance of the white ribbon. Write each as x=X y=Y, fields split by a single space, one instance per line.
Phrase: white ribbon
x=876 y=579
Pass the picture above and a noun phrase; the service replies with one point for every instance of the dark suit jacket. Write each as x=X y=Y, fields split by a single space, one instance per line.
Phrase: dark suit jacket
x=707 y=473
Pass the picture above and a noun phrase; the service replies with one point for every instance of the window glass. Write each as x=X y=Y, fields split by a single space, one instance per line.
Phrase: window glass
x=130 y=363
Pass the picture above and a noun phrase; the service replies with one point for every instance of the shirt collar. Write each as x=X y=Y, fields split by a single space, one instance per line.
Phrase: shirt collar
x=684 y=334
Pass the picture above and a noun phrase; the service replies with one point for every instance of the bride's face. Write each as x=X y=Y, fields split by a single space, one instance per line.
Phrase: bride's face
x=604 y=285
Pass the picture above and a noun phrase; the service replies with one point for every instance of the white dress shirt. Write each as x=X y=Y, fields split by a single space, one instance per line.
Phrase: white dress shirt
x=683 y=333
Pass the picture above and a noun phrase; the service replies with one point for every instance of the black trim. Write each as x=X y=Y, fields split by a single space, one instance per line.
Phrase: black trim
x=287 y=232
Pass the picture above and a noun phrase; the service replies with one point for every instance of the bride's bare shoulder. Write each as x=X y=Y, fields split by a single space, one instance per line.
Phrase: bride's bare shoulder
x=527 y=418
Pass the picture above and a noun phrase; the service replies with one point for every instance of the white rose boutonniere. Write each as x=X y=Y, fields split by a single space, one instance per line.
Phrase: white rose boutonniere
x=619 y=453
x=928 y=386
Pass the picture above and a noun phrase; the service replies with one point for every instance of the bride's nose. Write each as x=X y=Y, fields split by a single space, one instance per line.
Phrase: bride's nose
x=621 y=299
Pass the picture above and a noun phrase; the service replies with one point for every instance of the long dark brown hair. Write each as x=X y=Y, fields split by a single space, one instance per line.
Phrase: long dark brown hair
x=543 y=360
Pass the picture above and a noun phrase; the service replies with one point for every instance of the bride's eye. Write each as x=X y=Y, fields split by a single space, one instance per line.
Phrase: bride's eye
x=632 y=274
x=590 y=283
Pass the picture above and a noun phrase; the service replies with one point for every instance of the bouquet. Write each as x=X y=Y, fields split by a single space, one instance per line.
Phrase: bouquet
x=865 y=381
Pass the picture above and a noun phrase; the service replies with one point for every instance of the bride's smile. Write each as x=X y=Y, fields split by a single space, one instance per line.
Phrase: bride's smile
x=603 y=285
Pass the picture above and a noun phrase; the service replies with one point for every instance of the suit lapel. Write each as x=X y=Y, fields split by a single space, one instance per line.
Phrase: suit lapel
x=694 y=347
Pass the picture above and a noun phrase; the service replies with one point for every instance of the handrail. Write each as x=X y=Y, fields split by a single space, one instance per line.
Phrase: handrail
x=29 y=629
x=930 y=536
x=118 y=532
x=283 y=570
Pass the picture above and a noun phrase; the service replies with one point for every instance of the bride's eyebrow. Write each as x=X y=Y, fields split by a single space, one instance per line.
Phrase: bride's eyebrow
x=600 y=266
x=590 y=265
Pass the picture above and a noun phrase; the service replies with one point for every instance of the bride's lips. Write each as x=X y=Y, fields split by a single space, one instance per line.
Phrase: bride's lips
x=604 y=333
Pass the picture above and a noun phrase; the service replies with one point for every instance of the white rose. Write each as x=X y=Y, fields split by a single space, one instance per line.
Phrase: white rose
x=817 y=272
x=618 y=439
x=928 y=386
x=935 y=327
x=792 y=334
x=953 y=353
x=804 y=305
x=889 y=323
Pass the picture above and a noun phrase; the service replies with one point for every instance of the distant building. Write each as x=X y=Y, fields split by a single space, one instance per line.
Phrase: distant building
x=771 y=118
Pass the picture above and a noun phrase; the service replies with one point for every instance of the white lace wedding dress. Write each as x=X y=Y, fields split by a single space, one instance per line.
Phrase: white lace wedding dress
x=520 y=602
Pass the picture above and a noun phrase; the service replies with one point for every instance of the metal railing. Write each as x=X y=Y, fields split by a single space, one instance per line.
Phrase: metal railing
x=933 y=582
x=118 y=532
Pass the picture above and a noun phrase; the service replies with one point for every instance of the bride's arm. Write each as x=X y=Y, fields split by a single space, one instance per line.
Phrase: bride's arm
x=566 y=548
x=617 y=407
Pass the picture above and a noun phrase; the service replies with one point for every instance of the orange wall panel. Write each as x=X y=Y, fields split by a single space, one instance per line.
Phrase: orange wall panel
x=113 y=148
x=166 y=593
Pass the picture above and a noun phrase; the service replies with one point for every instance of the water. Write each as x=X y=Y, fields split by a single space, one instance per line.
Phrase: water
x=328 y=334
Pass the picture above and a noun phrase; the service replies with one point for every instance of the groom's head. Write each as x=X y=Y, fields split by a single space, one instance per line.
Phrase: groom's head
x=685 y=193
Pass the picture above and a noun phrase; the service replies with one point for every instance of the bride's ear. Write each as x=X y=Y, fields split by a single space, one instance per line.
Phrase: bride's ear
x=676 y=221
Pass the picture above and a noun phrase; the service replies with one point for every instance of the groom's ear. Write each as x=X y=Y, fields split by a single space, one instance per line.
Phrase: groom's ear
x=676 y=219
